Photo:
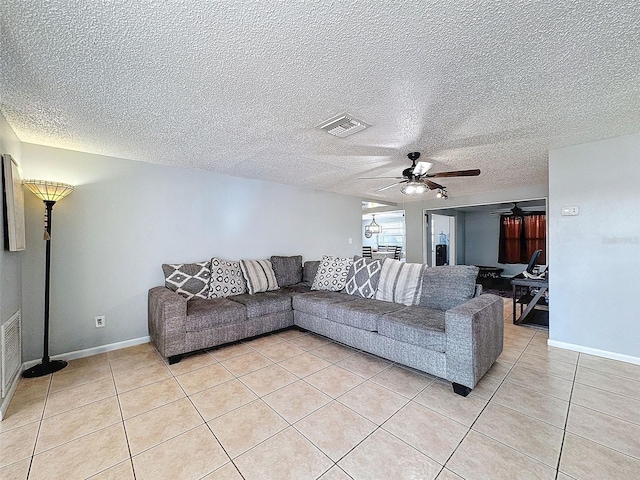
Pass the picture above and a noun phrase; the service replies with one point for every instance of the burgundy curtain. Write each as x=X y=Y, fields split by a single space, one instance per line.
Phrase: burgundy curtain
x=521 y=236
x=535 y=232
x=512 y=227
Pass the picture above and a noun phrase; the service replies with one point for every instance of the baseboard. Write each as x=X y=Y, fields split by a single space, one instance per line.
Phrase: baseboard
x=595 y=352
x=87 y=352
x=7 y=399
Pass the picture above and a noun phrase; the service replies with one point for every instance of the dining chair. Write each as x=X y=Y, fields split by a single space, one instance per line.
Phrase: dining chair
x=366 y=252
x=398 y=253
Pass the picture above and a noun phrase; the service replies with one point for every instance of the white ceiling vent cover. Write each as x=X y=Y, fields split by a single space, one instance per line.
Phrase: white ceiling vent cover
x=343 y=125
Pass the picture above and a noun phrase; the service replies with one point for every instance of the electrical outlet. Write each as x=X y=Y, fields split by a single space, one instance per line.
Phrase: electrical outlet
x=100 y=321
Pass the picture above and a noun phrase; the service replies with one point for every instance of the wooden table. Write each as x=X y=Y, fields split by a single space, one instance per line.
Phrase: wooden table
x=381 y=255
x=533 y=302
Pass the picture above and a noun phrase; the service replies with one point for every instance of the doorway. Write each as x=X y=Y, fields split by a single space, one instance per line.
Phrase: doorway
x=392 y=234
x=442 y=233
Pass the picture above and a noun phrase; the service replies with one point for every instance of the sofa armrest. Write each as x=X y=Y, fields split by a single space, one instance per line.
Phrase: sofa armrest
x=167 y=315
x=474 y=335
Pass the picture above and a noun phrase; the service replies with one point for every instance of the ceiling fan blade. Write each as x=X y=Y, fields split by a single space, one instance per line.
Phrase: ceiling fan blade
x=390 y=186
x=432 y=185
x=455 y=173
x=378 y=178
x=421 y=168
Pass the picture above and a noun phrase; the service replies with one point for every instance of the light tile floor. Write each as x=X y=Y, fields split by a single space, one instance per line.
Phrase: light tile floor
x=293 y=405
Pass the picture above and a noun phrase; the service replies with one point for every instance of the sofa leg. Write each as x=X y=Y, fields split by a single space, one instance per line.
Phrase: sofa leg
x=174 y=359
x=461 y=389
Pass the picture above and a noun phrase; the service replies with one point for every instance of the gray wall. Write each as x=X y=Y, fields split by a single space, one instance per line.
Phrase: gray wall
x=595 y=256
x=126 y=218
x=10 y=262
x=483 y=234
x=414 y=212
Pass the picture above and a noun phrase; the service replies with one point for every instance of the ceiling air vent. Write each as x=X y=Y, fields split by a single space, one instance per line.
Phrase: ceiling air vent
x=342 y=125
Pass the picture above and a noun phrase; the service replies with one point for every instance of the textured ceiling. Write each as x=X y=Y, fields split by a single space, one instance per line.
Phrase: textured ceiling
x=238 y=87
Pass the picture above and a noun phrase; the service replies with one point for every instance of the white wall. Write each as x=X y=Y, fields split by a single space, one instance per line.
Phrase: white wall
x=126 y=218
x=595 y=256
x=10 y=262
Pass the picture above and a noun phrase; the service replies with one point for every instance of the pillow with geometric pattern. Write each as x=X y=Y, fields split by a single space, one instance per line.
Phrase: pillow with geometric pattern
x=226 y=279
x=188 y=279
x=363 y=277
x=332 y=273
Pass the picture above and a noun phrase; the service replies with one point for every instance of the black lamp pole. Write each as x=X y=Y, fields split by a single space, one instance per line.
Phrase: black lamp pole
x=47 y=366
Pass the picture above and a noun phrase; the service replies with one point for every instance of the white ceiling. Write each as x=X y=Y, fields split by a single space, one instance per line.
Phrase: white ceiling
x=238 y=87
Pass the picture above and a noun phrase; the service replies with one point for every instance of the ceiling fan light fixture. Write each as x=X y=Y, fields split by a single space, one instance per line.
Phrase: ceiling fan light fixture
x=414 y=188
x=442 y=193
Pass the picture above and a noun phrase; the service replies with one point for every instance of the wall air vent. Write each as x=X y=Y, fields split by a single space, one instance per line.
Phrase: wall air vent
x=11 y=341
x=342 y=125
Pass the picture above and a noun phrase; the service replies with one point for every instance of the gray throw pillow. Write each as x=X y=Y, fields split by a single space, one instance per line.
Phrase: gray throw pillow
x=447 y=287
x=226 y=279
x=288 y=270
x=309 y=271
x=188 y=279
x=363 y=277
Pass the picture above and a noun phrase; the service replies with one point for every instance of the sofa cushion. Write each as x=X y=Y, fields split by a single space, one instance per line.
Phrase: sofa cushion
x=309 y=271
x=361 y=312
x=203 y=314
x=400 y=282
x=293 y=289
x=288 y=270
x=259 y=275
x=332 y=273
x=447 y=287
x=416 y=325
x=188 y=279
x=226 y=279
x=363 y=277
x=316 y=302
x=263 y=303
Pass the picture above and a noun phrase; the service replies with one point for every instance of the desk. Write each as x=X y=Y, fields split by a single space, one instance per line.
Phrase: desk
x=533 y=302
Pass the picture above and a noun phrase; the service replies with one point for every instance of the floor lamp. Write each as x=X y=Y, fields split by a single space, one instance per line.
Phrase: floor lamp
x=49 y=193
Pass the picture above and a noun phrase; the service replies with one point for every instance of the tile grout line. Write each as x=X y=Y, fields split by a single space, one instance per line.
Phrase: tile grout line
x=46 y=399
x=124 y=425
x=484 y=408
x=566 y=421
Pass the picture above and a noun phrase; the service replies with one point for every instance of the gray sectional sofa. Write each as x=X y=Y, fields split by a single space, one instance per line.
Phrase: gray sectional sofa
x=450 y=333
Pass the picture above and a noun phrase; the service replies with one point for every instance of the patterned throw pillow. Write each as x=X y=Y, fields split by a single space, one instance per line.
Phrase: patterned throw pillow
x=332 y=273
x=226 y=279
x=400 y=282
x=288 y=270
x=259 y=275
x=188 y=279
x=363 y=277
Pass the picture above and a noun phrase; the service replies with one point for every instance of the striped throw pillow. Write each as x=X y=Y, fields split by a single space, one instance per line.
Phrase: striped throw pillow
x=400 y=282
x=259 y=275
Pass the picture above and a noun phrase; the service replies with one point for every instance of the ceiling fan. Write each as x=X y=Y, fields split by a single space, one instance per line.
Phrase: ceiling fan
x=416 y=177
x=516 y=211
